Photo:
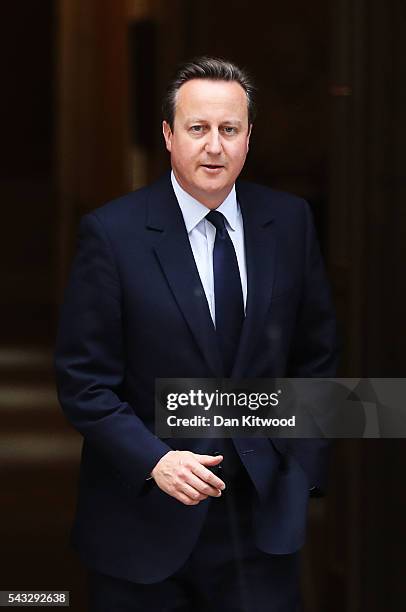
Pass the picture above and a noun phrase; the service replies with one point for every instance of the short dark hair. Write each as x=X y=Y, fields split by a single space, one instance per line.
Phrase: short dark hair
x=211 y=68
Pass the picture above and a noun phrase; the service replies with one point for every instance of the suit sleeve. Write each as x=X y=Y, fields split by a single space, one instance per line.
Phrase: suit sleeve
x=90 y=362
x=314 y=351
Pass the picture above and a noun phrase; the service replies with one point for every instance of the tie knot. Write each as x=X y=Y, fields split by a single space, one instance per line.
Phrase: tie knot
x=217 y=219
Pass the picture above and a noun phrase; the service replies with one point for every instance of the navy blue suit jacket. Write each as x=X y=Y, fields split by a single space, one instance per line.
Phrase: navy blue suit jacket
x=135 y=310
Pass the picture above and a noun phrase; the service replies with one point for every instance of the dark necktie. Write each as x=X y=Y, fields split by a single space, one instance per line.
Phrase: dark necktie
x=229 y=302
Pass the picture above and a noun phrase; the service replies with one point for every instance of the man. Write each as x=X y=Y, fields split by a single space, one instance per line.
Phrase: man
x=195 y=276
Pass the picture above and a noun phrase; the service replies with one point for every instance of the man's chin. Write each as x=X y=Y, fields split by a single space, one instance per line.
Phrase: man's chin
x=211 y=193
x=213 y=187
x=213 y=180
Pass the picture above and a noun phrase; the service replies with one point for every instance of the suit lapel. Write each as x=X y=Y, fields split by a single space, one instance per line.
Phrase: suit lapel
x=176 y=259
x=175 y=256
x=260 y=247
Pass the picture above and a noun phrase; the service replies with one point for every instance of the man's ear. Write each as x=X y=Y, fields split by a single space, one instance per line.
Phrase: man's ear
x=167 y=132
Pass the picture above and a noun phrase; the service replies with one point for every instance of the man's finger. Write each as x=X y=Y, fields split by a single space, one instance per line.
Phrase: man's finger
x=209 y=459
x=191 y=492
x=207 y=476
x=185 y=499
x=203 y=487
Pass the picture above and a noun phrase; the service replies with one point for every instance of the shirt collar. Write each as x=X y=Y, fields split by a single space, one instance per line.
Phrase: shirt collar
x=194 y=211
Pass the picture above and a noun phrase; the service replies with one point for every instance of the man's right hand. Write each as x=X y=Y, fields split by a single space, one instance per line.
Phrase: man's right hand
x=184 y=476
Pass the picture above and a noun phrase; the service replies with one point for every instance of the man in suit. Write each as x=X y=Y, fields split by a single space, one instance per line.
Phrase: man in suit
x=198 y=275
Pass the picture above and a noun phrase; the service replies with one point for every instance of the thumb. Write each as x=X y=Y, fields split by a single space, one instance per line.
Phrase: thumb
x=210 y=459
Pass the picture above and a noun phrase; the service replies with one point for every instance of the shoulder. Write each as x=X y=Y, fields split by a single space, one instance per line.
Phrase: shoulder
x=129 y=210
x=122 y=209
x=267 y=201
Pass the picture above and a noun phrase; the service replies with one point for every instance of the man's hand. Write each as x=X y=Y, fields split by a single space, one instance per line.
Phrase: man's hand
x=183 y=475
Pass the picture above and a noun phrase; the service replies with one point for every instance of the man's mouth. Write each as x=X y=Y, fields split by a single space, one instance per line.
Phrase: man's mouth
x=212 y=166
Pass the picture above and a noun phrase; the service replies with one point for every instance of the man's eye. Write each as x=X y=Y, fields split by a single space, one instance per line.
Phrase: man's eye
x=228 y=129
x=196 y=129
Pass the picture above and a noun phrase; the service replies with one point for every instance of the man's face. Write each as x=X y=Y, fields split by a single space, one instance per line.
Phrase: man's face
x=210 y=137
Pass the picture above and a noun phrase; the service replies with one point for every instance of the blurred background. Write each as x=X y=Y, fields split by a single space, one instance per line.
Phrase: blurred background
x=80 y=106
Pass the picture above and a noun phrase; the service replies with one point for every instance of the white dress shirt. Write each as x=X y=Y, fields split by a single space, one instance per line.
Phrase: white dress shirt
x=202 y=234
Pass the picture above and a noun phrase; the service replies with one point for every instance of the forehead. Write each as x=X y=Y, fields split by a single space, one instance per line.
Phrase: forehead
x=211 y=98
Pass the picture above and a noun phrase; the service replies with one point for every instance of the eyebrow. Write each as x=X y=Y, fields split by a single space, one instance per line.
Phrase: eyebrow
x=200 y=120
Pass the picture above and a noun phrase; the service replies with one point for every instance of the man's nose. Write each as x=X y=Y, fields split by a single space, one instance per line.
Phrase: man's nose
x=213 y=144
